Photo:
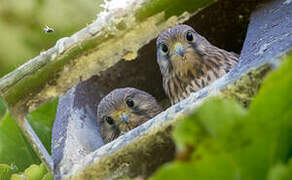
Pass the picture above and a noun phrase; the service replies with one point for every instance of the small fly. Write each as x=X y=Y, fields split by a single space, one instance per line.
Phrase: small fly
x=47 y=29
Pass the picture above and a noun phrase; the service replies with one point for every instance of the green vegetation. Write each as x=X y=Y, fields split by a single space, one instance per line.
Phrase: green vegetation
x=15 y=150
x=16 y=154
x=2 y=108
x=171 y=7
x=22 y=23
x=42 y=121
x=230 y=142
x=33 y=172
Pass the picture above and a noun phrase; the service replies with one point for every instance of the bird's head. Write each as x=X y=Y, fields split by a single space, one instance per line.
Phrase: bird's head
x=177 y=49
x=124 y=109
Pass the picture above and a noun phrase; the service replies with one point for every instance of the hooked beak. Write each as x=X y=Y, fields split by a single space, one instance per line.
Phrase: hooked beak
x=124 y=118
x=179 y=49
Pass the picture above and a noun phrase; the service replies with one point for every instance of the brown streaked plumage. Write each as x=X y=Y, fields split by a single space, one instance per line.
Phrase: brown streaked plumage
x=188 y=62
x=124 y=109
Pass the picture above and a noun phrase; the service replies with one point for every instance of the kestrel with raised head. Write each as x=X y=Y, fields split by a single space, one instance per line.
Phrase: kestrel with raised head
x=188 y=62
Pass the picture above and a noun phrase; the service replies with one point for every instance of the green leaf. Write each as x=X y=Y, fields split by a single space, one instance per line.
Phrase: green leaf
x=210 y=123
x=48 y=176
x=171 y=7
x=2 y=108
x=33 y=172
x=5 y=171
x=212 y=165
x=272 y=111
x=281 y=172
x=231 y=143
x=14 y=148
x=269 y=125
x=17 y=177
x=176 y=170
x=188 y=133
x=214 y=131
x=42 y=120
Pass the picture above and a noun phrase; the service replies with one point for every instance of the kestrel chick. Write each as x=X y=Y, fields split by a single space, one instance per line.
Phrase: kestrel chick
x=188 y=62
x=124 y=109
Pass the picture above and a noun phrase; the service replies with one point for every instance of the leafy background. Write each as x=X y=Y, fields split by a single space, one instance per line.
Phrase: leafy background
x=22 y=23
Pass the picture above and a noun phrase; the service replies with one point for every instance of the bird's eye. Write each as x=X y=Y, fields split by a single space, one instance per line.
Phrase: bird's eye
x=189 y=36
x=164 y=48
x=130 y=102
x=108 y=119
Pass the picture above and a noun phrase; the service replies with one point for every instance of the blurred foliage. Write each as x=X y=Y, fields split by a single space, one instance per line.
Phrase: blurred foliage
x=33 y=172
x=22 y=23
x=229 y=142
x=171 y=7
x=2 y=108
x=281 y=172
x=15 y=151
x=5 y=171
x=42 y=120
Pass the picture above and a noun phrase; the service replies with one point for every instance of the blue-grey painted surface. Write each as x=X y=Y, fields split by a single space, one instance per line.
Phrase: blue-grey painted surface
x=269 y=36
x=75 y=131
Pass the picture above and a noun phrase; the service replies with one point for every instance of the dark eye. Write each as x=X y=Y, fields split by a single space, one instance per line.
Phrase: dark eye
x=189 y=36
x=130 y=102
x=108 y=119
x=164 y=48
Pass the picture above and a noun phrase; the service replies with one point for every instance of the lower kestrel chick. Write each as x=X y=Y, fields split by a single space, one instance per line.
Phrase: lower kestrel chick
x=188 y=62
x=124 y=109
